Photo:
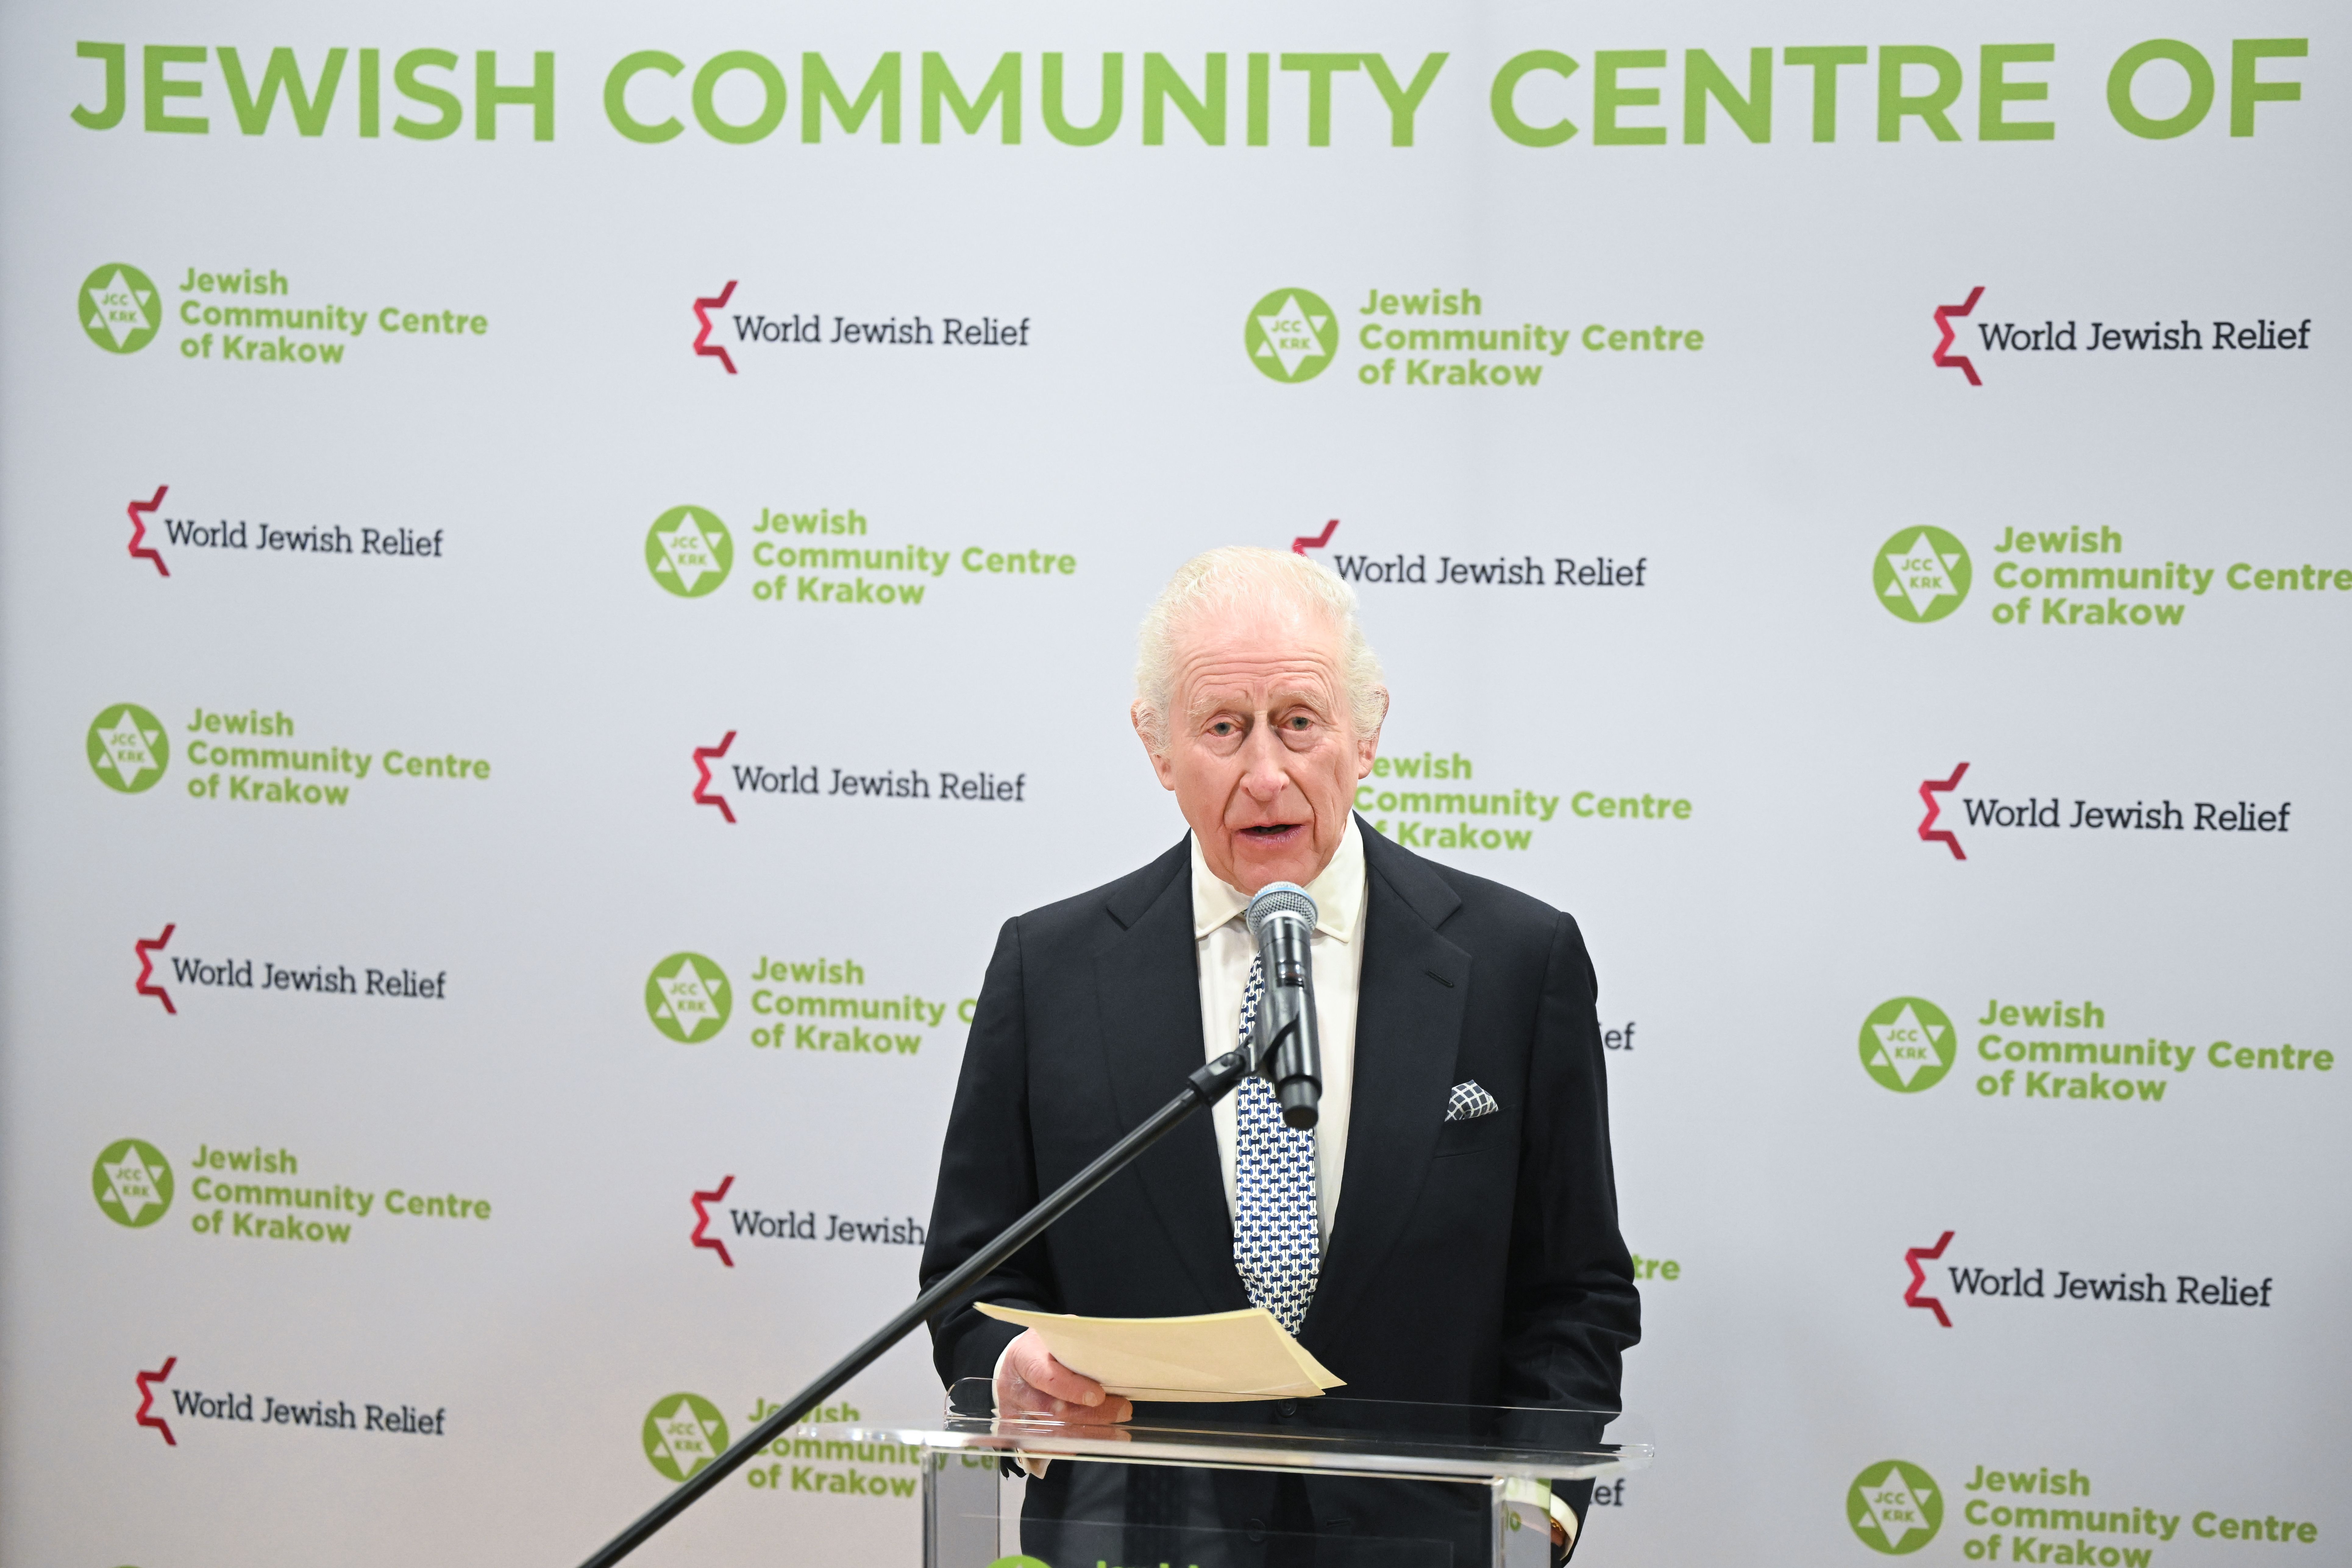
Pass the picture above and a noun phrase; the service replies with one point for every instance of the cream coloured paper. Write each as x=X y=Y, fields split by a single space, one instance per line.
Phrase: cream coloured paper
x=1209 y=1357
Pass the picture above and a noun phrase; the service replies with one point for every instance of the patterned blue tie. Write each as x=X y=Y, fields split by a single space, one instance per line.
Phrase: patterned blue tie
x=1278 y=1233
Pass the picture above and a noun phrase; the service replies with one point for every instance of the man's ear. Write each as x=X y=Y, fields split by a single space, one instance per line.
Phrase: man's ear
x=1368 y=746
x=1161 y=763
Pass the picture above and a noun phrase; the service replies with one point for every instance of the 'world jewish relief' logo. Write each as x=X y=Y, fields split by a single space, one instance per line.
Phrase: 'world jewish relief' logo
x=1907 y=1045
x=128 y=748
x=1291 y=335
x=1945 y=359
x=133 y=1181
x=120 y=310
x=689 y=550
x=688 y=998
x=1895 y=1507
x=683 y=1432
x=1922 y=574
x=1913 y=1257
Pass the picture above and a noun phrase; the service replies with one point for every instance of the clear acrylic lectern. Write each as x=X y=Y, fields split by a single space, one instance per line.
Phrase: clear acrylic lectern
x=1256 y=1484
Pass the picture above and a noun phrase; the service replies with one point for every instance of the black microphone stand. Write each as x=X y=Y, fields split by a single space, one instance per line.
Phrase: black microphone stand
x=1208 y=1085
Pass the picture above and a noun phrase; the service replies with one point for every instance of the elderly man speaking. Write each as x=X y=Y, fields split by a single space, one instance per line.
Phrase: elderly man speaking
x=1447 y=1232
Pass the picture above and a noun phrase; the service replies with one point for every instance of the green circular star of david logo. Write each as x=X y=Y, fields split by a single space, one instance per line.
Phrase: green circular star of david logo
x=1922 y=574
x=120 y=310
x=1907 y=1045
x=1895 y=1507
x=1291 y=335
x=128 y=748
x=688 y=998
x=133 y=1181
x=689 y=550
x=683 y=1432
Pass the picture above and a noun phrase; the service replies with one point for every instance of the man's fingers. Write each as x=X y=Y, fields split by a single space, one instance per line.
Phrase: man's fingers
x=1038 y=1384
x=1113 y=1411
x=1074 y=1388
x=1038 y=1368
x=1025 y=1400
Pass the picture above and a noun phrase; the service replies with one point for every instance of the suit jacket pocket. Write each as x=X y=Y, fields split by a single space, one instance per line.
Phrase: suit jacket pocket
x=1478 y=1132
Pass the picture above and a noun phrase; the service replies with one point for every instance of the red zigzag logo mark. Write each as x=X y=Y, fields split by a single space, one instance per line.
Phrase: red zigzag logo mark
x=1306 y=542
x=147 y=1399
x=1943 y=321
x=147 y=952
x=1929 y=790
x=702 y=759
x=140 y=549
x=1914 y=1257
x=704 y=346
x=702 y=1219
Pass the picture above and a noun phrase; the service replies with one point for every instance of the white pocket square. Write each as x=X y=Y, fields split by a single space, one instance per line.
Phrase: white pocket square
x=1469 y=1101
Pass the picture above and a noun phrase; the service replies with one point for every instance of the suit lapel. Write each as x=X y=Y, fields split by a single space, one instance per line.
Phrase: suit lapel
x=1148 y=990
x=1408 y=1023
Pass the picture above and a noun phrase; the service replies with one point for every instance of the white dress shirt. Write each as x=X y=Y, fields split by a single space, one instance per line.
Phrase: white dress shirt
x=1223 y=953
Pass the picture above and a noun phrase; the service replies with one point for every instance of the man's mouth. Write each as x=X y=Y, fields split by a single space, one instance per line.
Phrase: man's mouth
x=1273 y=832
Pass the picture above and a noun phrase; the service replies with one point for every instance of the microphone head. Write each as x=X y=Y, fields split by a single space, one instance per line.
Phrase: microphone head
x=1277 y=898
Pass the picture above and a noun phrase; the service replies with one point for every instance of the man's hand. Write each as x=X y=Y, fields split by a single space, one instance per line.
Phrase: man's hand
x=1030 y=1383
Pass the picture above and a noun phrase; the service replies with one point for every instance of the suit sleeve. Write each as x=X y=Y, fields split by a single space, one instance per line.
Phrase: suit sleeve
x=1570 y=1309
x=988 y=1175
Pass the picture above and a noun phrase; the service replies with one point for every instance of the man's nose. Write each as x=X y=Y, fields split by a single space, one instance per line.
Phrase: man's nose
x=1263 y=775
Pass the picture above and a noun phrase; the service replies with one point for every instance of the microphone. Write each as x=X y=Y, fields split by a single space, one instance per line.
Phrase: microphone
x=1287 y=1049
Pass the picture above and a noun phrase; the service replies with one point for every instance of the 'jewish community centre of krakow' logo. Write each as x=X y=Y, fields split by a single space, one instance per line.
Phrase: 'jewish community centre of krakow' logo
x=689 y=550
x=133 y=1181
x=1907 y=1045
x=688 y=998
x=683 y=1432
x=1922 y=574
x=1291 y=335
x=1895 y=1507
x=128 y=748
x=120 y=310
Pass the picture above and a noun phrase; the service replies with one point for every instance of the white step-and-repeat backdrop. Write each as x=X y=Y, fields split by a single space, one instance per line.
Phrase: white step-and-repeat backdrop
x=565 y=568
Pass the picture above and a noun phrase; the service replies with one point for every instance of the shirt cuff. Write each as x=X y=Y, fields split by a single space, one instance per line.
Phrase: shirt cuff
x=1565 y=1516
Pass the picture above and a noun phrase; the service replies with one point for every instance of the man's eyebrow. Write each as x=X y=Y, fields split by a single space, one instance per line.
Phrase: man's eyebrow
x=1314 y=697
x=1204 y=706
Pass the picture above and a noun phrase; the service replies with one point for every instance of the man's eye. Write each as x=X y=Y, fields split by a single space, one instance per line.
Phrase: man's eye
x=1300 y=722
x=1222 y=727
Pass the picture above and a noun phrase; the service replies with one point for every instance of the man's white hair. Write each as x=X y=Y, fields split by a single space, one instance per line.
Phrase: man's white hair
x=1243 y=573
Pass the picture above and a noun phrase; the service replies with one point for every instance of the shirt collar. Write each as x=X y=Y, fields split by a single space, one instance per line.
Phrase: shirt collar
x=1339 y=892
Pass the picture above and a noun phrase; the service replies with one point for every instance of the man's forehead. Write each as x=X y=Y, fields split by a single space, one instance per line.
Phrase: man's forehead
x=1256 y=634
x=1209 y=682
x=1255 y=649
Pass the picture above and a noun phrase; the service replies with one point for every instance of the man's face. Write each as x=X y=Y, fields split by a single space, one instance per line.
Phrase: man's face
x=1263 y=751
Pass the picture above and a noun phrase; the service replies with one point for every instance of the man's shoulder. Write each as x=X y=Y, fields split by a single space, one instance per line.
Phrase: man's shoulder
x=1122 y=900
x=1444 y=893
x=1514 y=938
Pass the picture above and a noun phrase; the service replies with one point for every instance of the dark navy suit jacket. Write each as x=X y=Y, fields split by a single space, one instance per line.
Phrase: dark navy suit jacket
x=1472 y=1262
